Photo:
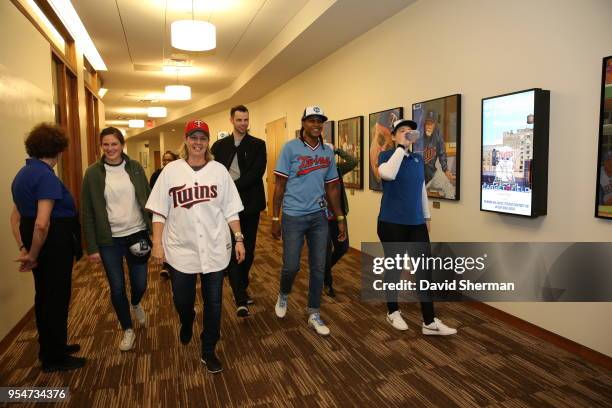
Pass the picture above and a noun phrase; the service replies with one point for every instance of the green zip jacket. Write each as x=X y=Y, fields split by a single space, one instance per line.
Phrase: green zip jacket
x=96 y=227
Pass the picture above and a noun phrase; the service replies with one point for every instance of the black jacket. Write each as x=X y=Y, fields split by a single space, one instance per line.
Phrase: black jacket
x=252 y=161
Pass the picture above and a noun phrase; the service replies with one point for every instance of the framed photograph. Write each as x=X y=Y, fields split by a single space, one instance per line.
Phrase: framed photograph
x=514 y=153
x=380 y=126
x=439 y=122
x=328 y=132
x=144 y=159
x=603 y=203
x=350 y=139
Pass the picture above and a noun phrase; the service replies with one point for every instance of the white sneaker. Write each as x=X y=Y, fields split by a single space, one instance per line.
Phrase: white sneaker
x=315 y=321
x=281 y=306
x=397 y=321
x=437 y=328
x=127 y=342
x=139 y=313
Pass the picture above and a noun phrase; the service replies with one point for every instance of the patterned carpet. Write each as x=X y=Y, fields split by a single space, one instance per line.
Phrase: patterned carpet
x=272 y=362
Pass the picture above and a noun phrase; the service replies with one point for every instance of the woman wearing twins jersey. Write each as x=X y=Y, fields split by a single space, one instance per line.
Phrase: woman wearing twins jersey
x=193 y=201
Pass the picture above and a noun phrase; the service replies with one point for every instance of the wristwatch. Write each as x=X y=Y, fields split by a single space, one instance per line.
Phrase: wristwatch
x=238 y=236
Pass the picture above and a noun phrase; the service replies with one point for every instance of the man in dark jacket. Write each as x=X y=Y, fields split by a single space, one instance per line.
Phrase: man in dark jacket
x=245 y=158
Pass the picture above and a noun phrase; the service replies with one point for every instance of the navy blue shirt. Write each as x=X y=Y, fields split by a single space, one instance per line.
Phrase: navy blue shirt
x=36 y=181
x=402 y=199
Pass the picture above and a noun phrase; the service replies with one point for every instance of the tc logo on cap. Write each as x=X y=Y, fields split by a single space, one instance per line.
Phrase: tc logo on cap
x=316 y=109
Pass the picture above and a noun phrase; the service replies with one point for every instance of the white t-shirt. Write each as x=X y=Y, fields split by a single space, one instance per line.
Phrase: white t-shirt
x=124 y=215
x=195 y=207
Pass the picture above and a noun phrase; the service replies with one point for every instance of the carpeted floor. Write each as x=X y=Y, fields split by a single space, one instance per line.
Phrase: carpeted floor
x=272 y=362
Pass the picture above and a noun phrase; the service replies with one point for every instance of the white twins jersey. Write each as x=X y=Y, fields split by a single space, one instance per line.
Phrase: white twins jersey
x=197 y=206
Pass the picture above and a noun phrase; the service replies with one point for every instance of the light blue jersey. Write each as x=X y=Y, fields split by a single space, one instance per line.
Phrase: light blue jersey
x=307 y=170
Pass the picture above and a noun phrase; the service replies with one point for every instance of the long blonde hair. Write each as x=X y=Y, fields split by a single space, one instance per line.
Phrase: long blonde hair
x=183 y=152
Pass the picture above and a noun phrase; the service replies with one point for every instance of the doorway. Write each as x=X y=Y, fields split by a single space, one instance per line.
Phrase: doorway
x=276 y=136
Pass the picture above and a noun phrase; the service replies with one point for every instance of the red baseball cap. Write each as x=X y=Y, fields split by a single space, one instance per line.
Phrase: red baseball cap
x=196 y=125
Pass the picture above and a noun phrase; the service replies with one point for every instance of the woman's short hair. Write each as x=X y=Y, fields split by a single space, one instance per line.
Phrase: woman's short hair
x=112 y=131
x=171 y=153
x=46 y=140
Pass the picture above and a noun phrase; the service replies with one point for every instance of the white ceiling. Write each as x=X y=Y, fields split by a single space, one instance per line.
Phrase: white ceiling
x=260 y=44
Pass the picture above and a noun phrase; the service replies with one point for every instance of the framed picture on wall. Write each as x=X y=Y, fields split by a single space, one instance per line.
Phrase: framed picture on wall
x=380 y=126
x=328 y=132
x=144 y=159
x=514 y=153
x=350 y=139
x=439 y=122
x=603 y=203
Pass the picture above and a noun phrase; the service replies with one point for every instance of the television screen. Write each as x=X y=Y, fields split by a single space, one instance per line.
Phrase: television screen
x=513 y=179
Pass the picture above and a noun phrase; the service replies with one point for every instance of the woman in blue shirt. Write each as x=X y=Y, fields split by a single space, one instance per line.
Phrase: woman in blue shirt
x=45 y=226
x=404 y=217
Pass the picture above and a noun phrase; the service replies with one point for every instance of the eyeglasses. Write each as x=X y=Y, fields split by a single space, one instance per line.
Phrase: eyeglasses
x=200 y=139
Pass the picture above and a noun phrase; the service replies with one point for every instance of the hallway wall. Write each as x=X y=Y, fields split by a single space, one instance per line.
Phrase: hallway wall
x=478 y=48
x=26 y=98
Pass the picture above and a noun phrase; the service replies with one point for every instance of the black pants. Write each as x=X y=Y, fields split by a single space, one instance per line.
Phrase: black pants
x=52 y=284
x=389 y=232
x=335 y=251
x=183 y=295
x=239 y=272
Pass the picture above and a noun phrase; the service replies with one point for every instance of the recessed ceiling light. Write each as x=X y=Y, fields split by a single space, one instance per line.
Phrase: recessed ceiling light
x=157 y=112
x=136 y=123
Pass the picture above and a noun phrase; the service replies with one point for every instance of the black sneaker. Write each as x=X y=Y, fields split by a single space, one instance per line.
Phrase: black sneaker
x=242 y=311
x=186 y=334
x=72 y=348
x=212 y=363
x=67 y=364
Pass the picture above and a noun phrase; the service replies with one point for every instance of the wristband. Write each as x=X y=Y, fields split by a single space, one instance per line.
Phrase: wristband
x=275 y=219
x=340 y=218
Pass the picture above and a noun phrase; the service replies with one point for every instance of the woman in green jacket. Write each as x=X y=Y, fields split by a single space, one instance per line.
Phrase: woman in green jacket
x=115 y=191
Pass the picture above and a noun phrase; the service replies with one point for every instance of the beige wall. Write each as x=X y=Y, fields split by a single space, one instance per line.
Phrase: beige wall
x=25 y=99
x=478 y=48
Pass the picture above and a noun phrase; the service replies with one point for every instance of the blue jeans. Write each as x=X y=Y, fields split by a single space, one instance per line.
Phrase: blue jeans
x=112 y=259
x=314 y=228
x=184 y=293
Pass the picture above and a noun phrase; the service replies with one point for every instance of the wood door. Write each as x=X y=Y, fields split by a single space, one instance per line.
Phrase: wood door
x=156 y=160
x=276 y=136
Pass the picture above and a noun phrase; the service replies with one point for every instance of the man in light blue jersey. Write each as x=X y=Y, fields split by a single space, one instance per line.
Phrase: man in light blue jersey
x=306 y=174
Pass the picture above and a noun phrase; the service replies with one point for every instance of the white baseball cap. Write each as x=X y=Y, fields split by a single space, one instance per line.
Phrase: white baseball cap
x=314 y=111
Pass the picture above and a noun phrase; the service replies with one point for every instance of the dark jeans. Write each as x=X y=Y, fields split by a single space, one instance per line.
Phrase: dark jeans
x=112 y=259
x=389 y=232
x=53 y=283
x=239 y=272
x=315 y=229
x=184 y=293
x=335 y=250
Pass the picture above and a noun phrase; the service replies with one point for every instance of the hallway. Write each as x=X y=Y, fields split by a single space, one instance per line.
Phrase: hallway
x=271 y=362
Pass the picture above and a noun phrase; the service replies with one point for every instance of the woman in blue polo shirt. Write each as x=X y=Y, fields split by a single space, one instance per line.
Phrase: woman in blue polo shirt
x=404 y=216
x=305 y=174
x=46 y=228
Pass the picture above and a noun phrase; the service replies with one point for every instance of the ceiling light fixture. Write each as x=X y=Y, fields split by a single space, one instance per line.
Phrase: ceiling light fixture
x=157 y=112
x=70 y=18
x=178 y=92
x=193 y=35
x=136 y=123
